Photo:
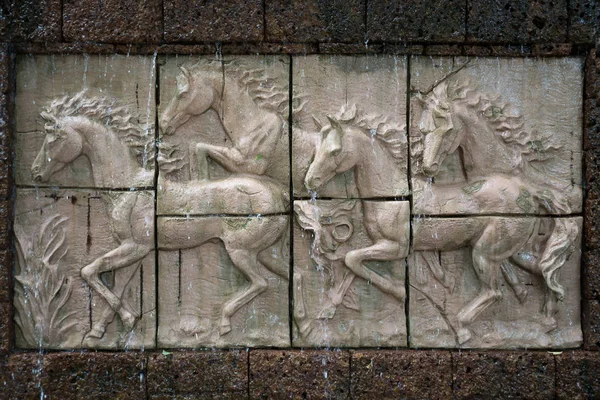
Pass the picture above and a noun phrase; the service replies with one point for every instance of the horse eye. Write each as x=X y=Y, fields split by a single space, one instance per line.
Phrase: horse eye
x=342 y=232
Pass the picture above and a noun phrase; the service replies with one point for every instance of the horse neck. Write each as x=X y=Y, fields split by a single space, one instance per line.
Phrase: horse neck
x=109 y=156
x=375 y=166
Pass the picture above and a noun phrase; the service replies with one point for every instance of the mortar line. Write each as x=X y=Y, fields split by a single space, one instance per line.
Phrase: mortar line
x=410 y=199
x=291 y=213
x=155 y=187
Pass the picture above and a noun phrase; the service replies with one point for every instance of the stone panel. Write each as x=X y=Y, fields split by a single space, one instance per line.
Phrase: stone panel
x=223 y=281
x=77 y=249
x=348 y=126
x=461 y=297
x=577 y=375
x=215 y=132
x=20 y=376
x=103 y=105
x=33 y=20
x=348 y=276
x=493 y=135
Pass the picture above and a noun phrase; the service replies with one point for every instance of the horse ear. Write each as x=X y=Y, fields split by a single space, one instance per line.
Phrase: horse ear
x=335 y=124
x=318 y=123
x=183 y=80
x=184 y=71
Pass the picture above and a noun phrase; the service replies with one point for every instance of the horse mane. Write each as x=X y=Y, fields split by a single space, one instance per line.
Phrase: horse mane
x=108 y=112
x=377 y=126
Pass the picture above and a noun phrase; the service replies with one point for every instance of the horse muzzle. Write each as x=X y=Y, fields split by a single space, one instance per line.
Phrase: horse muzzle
x=431 y=170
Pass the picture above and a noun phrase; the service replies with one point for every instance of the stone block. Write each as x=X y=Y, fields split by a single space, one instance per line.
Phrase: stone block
x=591 y=325
x=77 y=249
x=480 y=144
x=577 y=375
x=268 y=48
x=197 y=373
x=348 y=127
x=459 y=299
x=591 y=224
x=315 y=20
x=517 y=21
x=107 y=102
x=226 y=293
x=348 y=279
x=503 y=375
x=416 y=20
x=584 y=18
x=6 y=266
x=6 y=331
x=591 y=274
x=94 y=375
x=222 y=21
x=20 y=376
x=400 y=374
x=113 y=21
x=306 y=374
x=33 y=20
x=208 y=142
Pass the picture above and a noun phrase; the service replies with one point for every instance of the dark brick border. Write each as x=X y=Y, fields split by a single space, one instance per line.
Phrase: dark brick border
x=466 y=27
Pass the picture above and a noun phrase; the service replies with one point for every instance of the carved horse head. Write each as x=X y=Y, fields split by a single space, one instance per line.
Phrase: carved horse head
x=62 y=145
x=198 y=88
x=442 y=132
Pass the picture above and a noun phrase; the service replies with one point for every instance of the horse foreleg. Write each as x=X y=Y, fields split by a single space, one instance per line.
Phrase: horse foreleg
x=550 y=310
x=248 y=264
x=433 y=262
x=126 y=254
x=510 y=275
x=382 y=250
x=336 y=296
x=231 y=159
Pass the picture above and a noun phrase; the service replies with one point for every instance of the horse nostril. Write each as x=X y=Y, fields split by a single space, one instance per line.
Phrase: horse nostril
x=37 y=178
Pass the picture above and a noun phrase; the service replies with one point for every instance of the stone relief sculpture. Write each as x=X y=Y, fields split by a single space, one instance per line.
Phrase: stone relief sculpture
x=251 y=109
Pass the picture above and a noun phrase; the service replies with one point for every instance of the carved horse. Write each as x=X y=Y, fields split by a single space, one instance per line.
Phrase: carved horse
x=252 y=110
x=371 y=147
x=497 y=160
x=102 y=131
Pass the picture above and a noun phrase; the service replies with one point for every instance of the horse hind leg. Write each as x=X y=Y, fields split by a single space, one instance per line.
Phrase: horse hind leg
x=510 y=276
x=247 y=262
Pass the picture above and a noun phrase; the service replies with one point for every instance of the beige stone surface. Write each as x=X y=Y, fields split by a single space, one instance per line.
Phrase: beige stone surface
x=452 y=267
x=366 y=96
x=498 y=135
x=221 y=119
x=58 y=233
x=223 y=293
x=119 y=80
x=332 y=243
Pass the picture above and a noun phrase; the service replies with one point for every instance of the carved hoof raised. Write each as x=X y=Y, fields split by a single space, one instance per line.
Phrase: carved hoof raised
x=225 y=328
x=328 y=312
x=191 y=324
x=522 y=293
x=550 y=324
x=90 y=339
x=464 y=335
x=128 y=320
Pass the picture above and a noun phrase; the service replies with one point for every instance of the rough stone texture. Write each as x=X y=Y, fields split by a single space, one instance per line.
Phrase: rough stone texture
x=112 y=21
x=401 y=374
x=6 y=116
x=591 y=274
x=503 y=375
x=346 y=48
x=6 y=266
x=592 y=224
x=584 y=20
x=6 y=331
x=32 y=20
x=6 y=217
x=315 y=20
x=268 y=48
x=307 y=374
x=443 y=50
x=552 y=49
x=511 y=51
x=64 y=48
x=517 y=21
x=591 y=325
x=416 y=20
x=94 y=375
x=20 y=376
x=199 y=20
x=577 y=375
x=403 y=48
x=201 y=373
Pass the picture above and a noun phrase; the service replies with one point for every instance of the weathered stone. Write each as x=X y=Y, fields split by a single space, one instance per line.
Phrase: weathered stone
x=268 y=48
x=591 y=274
x=592 y=177
x=503 y=375
x=511 y=51
x=445 y=286
x=6 y=331
x=20 y=376
x=243 y=130
x=299 y=374
x=64 y=241
x=227 y=20
x=338 y=301
x=346 y=48
x=416 y=21
x=34 y=20
x=577 y=375
x=592 y=224
x=403 y=48
x=197 y=373
x=105 y=94
x=6 y=266
x=348 y=132
x=94 y=375
x=591 y=325
x=541 y=174
x=584 y=19
x=315 y=20
x=6 y=217
x=113 y=21
x=478 y=51
x=65 y=48
x=443 y=50
x=552 y=49
x=401 y=374
x=517 y=22
x=233 y=292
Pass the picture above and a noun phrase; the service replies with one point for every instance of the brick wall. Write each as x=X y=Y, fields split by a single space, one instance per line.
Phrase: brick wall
x=441 y=27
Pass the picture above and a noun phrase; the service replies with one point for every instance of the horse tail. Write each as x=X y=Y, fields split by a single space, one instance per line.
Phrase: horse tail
x=557 y=250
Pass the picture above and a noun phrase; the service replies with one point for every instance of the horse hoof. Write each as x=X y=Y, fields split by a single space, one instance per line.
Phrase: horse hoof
x=463 y=336
x=549 y=324
x=327 y=313
x=225 y=329
x=128 y=320
x=191 y=324
x=522 y=295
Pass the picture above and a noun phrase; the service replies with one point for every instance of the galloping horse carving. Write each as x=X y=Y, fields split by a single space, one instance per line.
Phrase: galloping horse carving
x=103 y=131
